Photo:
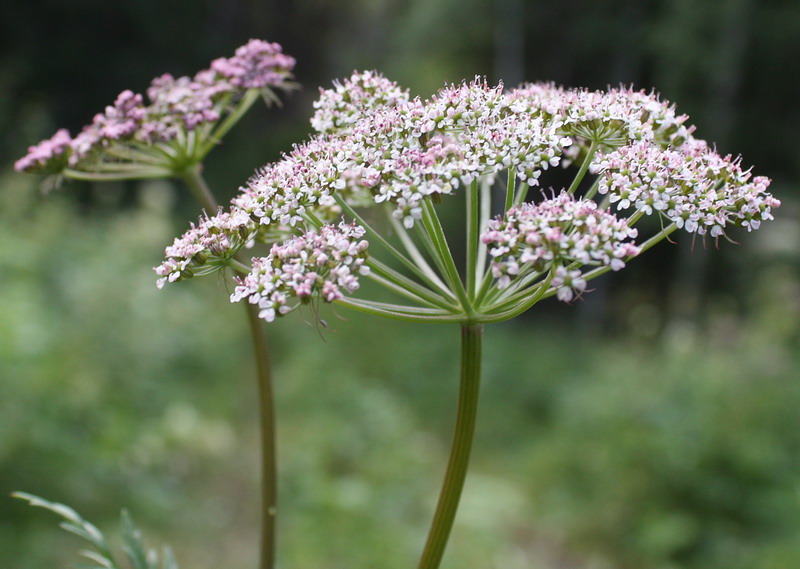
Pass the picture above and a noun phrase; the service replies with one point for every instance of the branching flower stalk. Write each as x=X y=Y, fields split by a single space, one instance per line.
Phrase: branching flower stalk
x=169 y=138
x=378 y=148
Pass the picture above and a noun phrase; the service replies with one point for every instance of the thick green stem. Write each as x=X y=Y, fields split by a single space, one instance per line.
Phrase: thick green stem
x=269 y=490
x=471 y=350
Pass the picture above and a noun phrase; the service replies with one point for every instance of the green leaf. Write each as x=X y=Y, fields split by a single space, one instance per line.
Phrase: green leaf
x=102 y=558
x=169 y=559
x=77 y=525
x=133 y=548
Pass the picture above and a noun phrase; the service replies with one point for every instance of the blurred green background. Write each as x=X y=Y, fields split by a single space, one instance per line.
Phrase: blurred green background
x=653 y=425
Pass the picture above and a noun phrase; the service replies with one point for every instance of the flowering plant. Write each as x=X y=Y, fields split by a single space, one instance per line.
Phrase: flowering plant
x=169 y=138
x=361 y=199
x=377 y=148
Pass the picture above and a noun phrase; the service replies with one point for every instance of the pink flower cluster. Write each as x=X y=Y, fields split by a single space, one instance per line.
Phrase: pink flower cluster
x=176 y=106
x=120 y=121
x=693 y=186
x=205 y=247
x=50 y=155
x=561 y=230
x=319 y=263
x=180 y=105
x=256 y=65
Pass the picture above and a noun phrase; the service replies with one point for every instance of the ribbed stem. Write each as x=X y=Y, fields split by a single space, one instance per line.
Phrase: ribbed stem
x=471 y=350
x=269 y=487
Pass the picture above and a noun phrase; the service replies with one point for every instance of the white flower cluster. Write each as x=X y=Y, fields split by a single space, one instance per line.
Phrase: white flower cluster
x=561 y=230
x=376 y=145
x=613 y=118
x=401 y=151
x=323 y=263
x=693 y=186
x=339 y=108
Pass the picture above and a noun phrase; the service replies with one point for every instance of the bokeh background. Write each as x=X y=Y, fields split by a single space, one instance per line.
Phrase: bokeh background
x=652 y=425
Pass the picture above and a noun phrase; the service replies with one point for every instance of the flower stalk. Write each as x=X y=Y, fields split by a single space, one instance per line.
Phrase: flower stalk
x=466 y=415
x=266 y=407
x=194 y=180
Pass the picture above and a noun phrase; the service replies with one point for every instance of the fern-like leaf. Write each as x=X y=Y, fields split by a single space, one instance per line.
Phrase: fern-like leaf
x=101 y=556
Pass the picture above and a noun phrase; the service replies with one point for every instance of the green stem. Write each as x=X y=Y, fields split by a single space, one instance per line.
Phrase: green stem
x=404 y=286
x=584 y=167
x=485 y=212
x=522 y=193
x=532 y=295
x=118 y=175
x=473 y=228
x=471 y=341
x=400 y=312
x=590 y=193
x=413 y=251
x=194 y=180
x=250 y=97
x=200 y=190
x=269 y=491
x=418 y=271
x=510 y=189
x=434 y=229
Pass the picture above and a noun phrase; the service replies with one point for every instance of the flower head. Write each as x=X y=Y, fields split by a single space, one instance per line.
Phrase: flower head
x=125 y=133
x=321 y=263
x=376 y=147
x=348 y=102
x=119 y=121
x=256 y=65
x=560 y=231
x=179 y=105
x=612 y=118
x=693 y=187
x=49 y=155
x=205 y=247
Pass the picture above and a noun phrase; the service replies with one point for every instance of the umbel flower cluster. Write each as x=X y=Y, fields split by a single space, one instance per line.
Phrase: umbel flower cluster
x=376 y=147
x=184 y=118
